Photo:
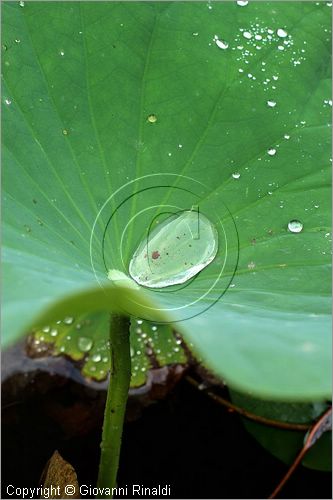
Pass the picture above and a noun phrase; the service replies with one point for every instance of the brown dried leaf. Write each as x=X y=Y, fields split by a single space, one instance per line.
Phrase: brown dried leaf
x=60 y=479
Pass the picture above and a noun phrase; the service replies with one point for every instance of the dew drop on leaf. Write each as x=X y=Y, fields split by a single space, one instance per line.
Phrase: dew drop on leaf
x=84 y=344
x=152 y=118
x=242 y=3
x=247 y=35
x=271 y=151
x=281 y=33
x=271 y=104
x=221 y=43
x=96 y=358
x=186 y=244
x=236 y=175
x=295 y=226
x=68 y=320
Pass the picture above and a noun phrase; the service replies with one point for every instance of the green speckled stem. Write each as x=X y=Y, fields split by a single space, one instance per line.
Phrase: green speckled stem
x=115 y=403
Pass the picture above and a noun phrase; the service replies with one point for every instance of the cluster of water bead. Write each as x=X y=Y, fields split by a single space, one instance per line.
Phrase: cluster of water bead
x=174 y=252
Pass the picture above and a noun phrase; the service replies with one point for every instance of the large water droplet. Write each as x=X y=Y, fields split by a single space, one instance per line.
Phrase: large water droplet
x=85 y=344
x=175 y=251
x=295 y=226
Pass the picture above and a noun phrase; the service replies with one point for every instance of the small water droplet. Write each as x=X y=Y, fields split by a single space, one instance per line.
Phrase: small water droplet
x=68 y=320
x=280 y=47
x=54 y=332
x=85 y=344
x=281 y=33
x=21 y=3
x=295 y=226
x=46 y=329
x=8 y=101
x=195 y=33
x=178 y=261
x=247 y=34
x=65 y=131
x=242 y=3
x=271 y=104
x=154 y=328
x=62 y=53
x=17 y=40
x=152 y=118
x=286 y=136
x=251 y=265
x=220 y=43
x=236 y=175
x=258 y=37
x=271 y=152
x=96 y=358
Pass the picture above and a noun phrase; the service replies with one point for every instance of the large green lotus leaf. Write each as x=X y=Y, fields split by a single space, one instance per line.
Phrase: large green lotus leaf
x=116 y=115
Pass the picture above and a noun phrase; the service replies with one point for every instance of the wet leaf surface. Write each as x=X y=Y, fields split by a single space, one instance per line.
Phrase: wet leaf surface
x=237 y=98
x=85 y=340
